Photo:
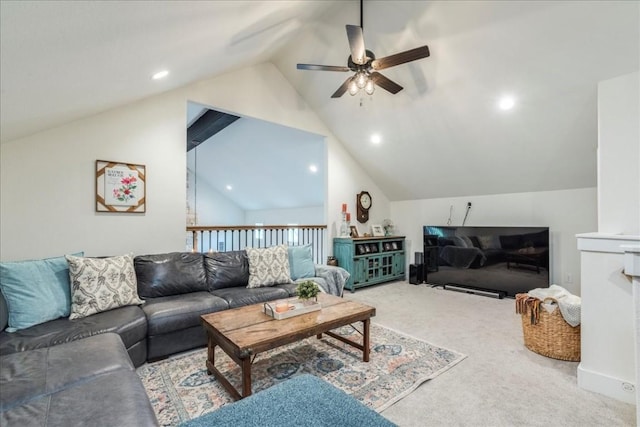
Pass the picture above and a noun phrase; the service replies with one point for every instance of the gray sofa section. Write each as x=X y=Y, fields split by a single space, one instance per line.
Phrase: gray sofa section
x=177 y=289
x=128 y=322
x=85 y=382
x=81 y=372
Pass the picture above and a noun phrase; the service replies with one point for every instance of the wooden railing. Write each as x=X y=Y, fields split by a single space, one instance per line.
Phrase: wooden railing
x=224 y=238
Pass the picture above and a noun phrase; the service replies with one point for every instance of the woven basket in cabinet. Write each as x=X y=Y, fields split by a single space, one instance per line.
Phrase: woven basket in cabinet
x=547 y=333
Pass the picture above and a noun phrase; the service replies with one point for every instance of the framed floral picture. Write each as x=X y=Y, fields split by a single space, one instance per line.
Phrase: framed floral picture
x=120 y=187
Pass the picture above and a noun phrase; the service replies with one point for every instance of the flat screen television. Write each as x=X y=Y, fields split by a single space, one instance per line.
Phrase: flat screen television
x=503 y=261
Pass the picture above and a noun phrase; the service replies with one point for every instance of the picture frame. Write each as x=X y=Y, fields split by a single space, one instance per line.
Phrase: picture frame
x=354 y=231
x=377 y=230
x=361 y=249
x=394 y=246
x=120 y=187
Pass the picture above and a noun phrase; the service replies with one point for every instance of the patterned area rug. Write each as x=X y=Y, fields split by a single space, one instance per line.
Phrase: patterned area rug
x=180 y=389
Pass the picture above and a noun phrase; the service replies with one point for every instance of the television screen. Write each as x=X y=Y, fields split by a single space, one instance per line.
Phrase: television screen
x=502 y=260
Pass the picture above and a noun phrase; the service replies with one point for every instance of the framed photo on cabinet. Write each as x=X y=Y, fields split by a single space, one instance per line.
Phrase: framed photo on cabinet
x=377 y=230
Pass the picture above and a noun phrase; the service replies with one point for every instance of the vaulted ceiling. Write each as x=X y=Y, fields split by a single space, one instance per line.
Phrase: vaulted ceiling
x=443 y=135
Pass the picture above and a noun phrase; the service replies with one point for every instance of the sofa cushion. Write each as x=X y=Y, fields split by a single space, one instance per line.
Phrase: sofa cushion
x=35 y=291
x=289 y=288
x=268 y=266
x=101 y=284
x=238 y=297
x=44 y=370
x=174 y=273
x=167 y=314
x=42 y=387
x=129 y=322
x=301 y=263
x=227 y=269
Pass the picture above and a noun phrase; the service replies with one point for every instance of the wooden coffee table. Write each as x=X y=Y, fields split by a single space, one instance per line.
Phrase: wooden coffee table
x=246 y=331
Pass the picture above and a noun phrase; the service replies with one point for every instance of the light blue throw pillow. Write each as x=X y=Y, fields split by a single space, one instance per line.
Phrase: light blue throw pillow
x=36 y=291
x=301 y=262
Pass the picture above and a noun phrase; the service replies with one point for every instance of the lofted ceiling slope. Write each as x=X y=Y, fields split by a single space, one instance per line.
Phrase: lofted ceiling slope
x=442 y=135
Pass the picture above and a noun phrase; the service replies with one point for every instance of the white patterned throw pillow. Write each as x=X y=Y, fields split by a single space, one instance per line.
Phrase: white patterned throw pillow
x=268 y=266
x=101 y=284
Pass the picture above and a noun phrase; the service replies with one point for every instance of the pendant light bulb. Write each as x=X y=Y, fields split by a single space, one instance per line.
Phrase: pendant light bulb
x=361 y=79
x=353 y=87
x=369 y=88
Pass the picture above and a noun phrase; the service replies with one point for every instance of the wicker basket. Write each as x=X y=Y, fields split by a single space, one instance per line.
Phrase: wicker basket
x=551 y=336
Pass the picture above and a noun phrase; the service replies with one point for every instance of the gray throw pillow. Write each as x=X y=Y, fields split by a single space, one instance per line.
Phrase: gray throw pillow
x=268 y=266
x=101 y=284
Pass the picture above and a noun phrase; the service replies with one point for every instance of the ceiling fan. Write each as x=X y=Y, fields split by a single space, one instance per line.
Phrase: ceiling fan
x=365 y=65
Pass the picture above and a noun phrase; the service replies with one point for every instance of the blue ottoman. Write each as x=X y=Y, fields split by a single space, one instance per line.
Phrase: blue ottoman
x=304 y=400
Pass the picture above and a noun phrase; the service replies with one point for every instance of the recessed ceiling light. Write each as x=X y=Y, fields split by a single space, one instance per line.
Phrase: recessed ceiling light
x=313 y=168
x=376 y=138
x=229 y=187
x=506 y=103
x=160 y=75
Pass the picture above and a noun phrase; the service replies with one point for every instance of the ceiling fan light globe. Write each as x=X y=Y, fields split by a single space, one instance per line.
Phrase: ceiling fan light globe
x=361 y=80
x=353 y=87
x=369 y=88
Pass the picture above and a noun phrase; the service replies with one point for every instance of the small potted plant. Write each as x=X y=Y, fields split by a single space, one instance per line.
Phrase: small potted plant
x=307 y=290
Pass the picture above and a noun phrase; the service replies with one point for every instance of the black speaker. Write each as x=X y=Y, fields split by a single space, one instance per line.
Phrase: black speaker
x=416 y=274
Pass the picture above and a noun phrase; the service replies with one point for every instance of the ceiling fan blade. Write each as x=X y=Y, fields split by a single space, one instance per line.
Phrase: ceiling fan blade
x=400 y=58
x=342 y=89
x=322 y=67
x=356 y=43
x=385 y=83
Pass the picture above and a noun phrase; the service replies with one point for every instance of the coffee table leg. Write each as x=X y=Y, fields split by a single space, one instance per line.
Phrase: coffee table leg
x=246 y=377
x=365 y=343
x=211 y=347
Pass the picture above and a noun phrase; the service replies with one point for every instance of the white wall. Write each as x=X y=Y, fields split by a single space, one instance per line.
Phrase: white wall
x=310 y=215
x=48 y=184
x=47 y=181
x=211 y=206
x=619 y=155
x=565 y=212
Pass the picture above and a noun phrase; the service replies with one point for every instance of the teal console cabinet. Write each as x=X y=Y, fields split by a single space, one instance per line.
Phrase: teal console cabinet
x=370 y=260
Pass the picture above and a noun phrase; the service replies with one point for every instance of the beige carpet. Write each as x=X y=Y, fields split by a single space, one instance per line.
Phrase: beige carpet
x=500 y=383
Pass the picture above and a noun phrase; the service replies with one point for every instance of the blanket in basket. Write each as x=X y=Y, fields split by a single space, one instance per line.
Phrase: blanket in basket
x=568 y=303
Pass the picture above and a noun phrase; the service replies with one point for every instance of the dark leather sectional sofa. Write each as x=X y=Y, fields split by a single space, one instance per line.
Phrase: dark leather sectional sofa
x=44 y=367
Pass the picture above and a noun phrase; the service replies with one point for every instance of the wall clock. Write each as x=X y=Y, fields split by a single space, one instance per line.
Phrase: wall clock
x=363 y=204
